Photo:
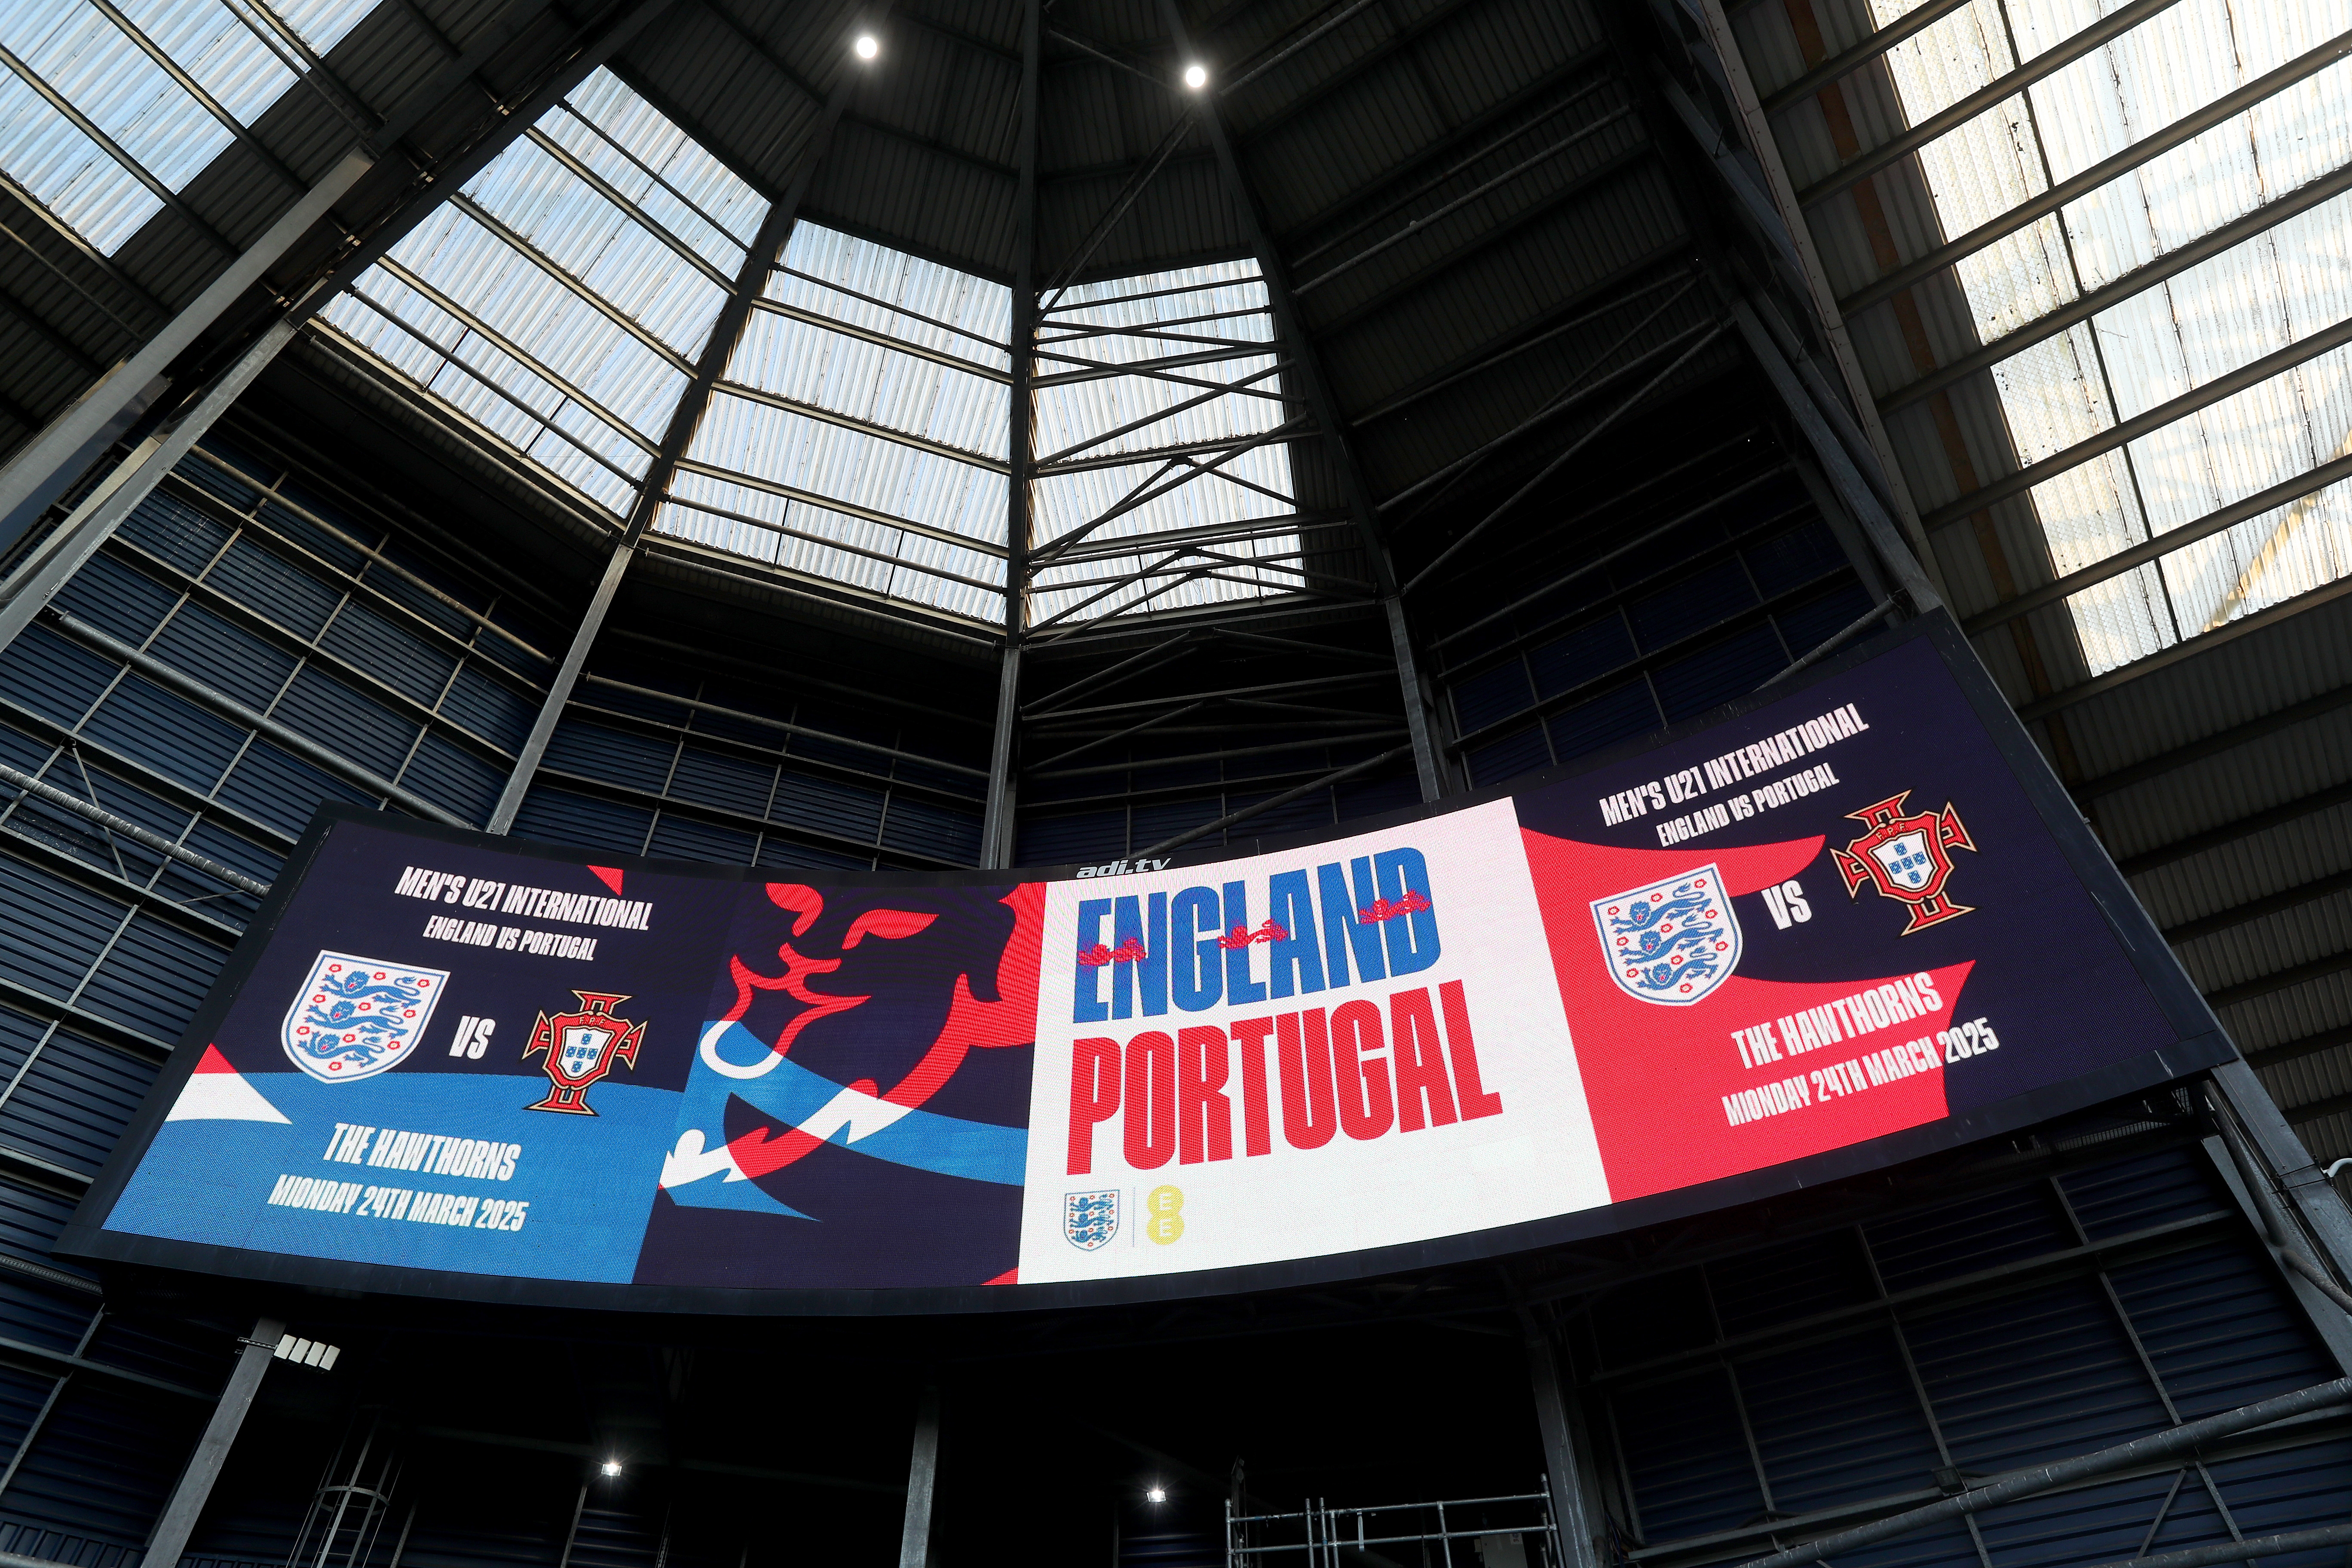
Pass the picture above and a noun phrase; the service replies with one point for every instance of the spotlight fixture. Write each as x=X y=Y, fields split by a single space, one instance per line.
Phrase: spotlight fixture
x=866 y=47
x=611 y=1467
x=1196 y=76
x=1159 y=1494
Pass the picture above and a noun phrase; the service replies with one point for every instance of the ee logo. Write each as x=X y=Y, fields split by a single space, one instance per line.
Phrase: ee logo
x=1165 y=1215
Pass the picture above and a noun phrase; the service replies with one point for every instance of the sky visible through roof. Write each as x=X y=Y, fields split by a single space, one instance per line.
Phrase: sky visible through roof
x=861 y=431
x=85 y=54
x=2262 y=296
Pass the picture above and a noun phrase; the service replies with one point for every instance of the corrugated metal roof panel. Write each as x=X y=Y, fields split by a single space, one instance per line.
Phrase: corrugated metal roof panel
x=874 y=183
x=82 y=56
x=599 y=440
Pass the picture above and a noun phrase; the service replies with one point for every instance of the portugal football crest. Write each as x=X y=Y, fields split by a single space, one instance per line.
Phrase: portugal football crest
x=1672 y=941
x=1906 y=857
x=354 y=1018
x=1090 y=1219
x=582 y=1047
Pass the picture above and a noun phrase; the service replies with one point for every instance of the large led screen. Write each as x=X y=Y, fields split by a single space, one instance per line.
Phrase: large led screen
x=1850 y=920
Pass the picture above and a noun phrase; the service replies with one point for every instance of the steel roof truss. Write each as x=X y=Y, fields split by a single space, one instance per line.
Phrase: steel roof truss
x=964 y=332
x=507 y=346
x=2033 y=210
x=1157 y=415
x=1398 y=204
x=1531 y=160
x=1218 y=533
x=828 y=503
x=2103 y=31
x=829 y=543
x=1285 y=431
x=1137 y=497
x=107 y=144
x=1155 y=368
x=628 y=208
x=655 y=176
x=104 y=263
x=2146 y=276
x=546 y=422
x=2129 y=430
x=863 y=426
x=882 y=340
x=195 y=90
x=587 y=296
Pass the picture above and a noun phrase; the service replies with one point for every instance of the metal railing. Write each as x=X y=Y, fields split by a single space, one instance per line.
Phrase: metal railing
x=1321 y=1536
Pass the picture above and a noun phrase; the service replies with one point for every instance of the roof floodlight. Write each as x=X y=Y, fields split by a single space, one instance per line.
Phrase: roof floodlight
x=611 y=1467
x=866 y=47
x=1196 y=76
x=1159 y=1494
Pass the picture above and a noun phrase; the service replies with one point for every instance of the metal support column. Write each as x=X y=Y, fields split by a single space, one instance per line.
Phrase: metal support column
x=47 y=464
x=997 y=838
x=1813 y=280
x=1436 y=776
x=761 y=258
x=559 y=690
x=1571 y=1520
x=1861 y=501
x=2312 y=1200
x=170 y=1537
x=922 y=1484
x=51 y=566
x=50 y=463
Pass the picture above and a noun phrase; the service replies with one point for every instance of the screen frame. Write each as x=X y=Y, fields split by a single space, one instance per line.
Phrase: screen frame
x=2201 y=1044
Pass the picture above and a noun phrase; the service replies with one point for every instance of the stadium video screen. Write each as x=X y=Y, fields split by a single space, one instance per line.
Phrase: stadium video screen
x=1852 y=922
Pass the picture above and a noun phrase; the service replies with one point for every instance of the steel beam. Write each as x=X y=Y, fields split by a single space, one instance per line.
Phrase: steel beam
x=170 y=1537
x=2278 y=1168
x=1706 y=338
x=2139 y=279
x=1430 y=763
x=1861 y=501
x=1571 y=1520
x=2215 y=743
x=998 y=839
x=37 y=464
x=2124 y=432
x=2033 y=210
x=1780 y=218
x=922 y=1484
x=39 y=576
x=2179 y=1440
x=2103 y=31
x=1532 y=159
x=760 y=257
x=1841 y=66
x=2219 y=521
x=164 y=194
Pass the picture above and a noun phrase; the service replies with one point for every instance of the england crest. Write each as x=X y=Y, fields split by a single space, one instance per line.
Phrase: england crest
x=1090 y=1219
x=1672 y=941
x=355 y=1017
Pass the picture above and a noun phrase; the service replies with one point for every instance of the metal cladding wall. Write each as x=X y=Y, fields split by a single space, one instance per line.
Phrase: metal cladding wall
x=246 y=650
x=1790 y=1388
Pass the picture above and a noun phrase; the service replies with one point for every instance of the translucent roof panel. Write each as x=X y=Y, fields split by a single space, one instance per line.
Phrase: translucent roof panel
x=560 y=301
x=1146 y=387
x=92 y=60
x=2260 y=297
x=860 y=434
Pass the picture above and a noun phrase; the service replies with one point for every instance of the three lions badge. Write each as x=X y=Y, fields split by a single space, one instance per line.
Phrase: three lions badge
x=355 y=1017
x=1671 y=941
